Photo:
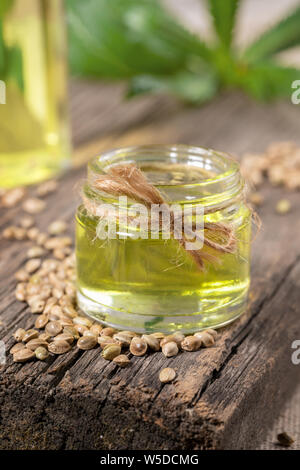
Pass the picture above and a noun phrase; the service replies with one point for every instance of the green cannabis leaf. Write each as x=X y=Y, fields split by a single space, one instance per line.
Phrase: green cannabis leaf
x=283 y=35
x=223 y=14
x=138 y=40
x=11 y=61
x=124 y=38
x=188 y=86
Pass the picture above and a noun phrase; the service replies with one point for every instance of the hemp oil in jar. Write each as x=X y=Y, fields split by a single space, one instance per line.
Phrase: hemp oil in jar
x=152 y=284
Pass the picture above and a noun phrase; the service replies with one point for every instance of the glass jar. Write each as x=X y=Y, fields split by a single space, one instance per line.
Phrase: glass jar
x=151 y=284
x=34 y=134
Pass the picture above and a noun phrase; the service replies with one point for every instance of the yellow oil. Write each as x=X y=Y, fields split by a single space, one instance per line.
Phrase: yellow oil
x=155 y=285
x=34 y=139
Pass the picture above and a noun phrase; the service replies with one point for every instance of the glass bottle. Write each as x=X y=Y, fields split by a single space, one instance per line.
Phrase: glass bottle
x=34 y=133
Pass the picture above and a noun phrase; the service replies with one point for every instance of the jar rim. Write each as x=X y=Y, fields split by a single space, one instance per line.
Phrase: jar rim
x=227 y=183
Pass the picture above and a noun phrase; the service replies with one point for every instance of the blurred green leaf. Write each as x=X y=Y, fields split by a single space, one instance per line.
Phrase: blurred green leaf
x=2 y=53
x=187 y=86
x=15 y=67
x=224 y=14
x=123 y=38
x=285 y=34
x=11 y=61
x=267 y=81
x=5 y=6
x=138 y=40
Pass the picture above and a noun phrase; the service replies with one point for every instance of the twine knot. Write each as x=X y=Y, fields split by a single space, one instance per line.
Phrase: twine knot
x=128 y=180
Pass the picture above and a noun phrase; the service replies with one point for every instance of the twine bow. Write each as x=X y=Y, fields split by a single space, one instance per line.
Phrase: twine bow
x=128 y=180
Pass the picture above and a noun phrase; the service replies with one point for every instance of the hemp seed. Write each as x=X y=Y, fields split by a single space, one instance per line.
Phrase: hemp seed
x=50 y=264
x=57 y=293
x=284 y=439
x=90 y=333
x=81 y=329
x=20 y=233
x=59 y=254
x=9 y=233
x=33 y=233
x=87 y=342
x=111 y=351
x=283 y=206
x=19 y=334
x=65 y=337
x=191 y=343
x=53 y=328
x=167 y=375
x=152 y=342
x=45 y=337
x=65 y=321
x=108 y=331
x=83 y=321
x=57 y=227
x=33 y=289
x=176 y=337
x=49 y=305
x=206 y=339
x=20 y=292
x=256 y=198
x=59 y=347
x=32 y=265
x=23 y=355
x=34 y=205
x=41 y=239
x=72 y=331
x=132 y=334
x=22 y=275
x=122 y=338
x=158 y=335
x=12 y=197
x=96 y=329
x=170 y=349
x=56 y=310
x=46 y=188
x=70 y=311
x=138 y=346
x=41 y=321
x=35 y=252
x=29 y=335
x=36 y=304
x=26 y=222
x=17 y=347
x=35 y=343
x=122 y=360
x=104 y=340
x=41 y=353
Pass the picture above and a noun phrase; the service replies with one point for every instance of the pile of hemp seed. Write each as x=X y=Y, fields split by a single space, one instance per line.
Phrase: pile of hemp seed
x=279 y=164
x=46 y=284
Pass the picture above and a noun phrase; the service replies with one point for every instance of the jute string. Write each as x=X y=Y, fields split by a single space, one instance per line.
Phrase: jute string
x=128 y=180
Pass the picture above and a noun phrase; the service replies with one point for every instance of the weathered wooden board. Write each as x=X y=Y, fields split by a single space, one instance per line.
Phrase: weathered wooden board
x=224 y=397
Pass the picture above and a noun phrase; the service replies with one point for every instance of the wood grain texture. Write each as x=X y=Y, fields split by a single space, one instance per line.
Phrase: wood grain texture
x=224 y=397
